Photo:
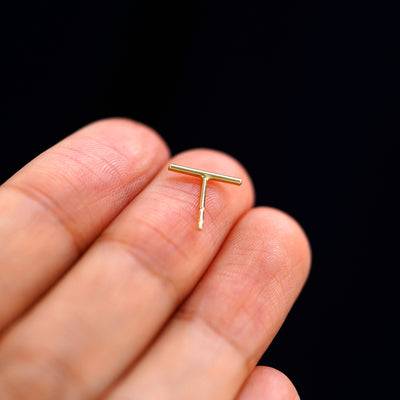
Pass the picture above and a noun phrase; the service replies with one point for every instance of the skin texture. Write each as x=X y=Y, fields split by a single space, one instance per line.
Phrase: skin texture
x=109 y=291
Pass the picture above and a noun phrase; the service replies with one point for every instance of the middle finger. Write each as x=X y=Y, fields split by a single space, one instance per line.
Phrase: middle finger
x=115 y=300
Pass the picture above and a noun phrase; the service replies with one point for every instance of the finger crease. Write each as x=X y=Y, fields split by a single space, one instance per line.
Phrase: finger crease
x=49 y=204
x=146 y=263
x=191 y=316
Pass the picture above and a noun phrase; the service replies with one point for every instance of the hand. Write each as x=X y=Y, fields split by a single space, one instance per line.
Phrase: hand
x=108 y=290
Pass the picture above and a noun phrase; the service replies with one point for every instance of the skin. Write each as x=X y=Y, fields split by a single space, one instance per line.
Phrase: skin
x=109 y=291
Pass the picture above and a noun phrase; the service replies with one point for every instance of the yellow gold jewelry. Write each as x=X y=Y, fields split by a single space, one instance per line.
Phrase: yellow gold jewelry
x=205 y=176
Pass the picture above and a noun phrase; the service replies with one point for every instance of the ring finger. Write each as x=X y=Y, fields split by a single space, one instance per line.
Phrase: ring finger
x=214 y=341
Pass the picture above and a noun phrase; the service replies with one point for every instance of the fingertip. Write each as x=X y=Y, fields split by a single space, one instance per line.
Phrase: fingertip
x=287 y=235
x=266 y=383
x=126 y=134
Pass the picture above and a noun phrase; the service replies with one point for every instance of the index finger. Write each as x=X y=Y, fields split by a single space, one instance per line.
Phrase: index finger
x=54 y=207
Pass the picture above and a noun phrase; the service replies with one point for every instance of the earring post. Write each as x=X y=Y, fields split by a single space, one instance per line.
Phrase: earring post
x=205 y=176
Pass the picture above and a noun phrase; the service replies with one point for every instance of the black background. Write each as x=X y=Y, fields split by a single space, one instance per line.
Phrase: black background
x=302 y=93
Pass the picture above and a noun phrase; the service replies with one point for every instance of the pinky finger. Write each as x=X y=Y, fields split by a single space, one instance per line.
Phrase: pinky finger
x=267 y=383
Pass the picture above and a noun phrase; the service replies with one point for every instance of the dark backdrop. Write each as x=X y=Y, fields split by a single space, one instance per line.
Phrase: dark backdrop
x=302 y=93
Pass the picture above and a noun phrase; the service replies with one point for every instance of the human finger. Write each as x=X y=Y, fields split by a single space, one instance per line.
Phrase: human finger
x=266 y=383
x=54 y=207
x=112 y=304
x=215 y=339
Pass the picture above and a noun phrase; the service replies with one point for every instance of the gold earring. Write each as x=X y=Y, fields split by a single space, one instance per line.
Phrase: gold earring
x=205 y=176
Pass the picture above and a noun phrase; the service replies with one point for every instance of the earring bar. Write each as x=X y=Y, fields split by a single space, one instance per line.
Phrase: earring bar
x=205 y=176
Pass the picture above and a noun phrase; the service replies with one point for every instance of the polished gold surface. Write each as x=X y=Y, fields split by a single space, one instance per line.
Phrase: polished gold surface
x=205 y=176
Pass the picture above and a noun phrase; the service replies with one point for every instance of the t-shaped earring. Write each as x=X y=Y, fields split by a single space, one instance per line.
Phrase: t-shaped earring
x=205 y=176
